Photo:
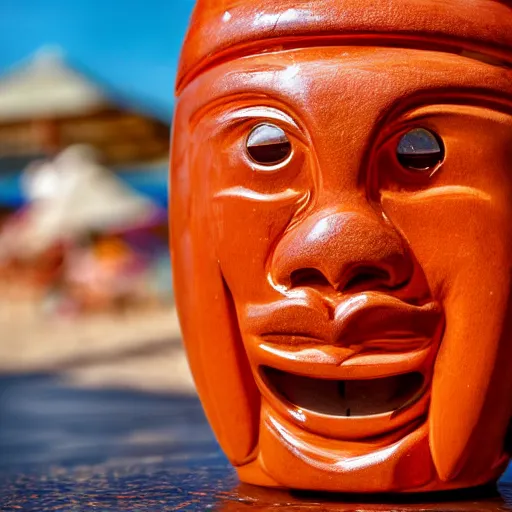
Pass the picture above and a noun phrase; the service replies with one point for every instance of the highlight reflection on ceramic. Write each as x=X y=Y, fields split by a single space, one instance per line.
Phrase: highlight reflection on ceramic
x=342 y=249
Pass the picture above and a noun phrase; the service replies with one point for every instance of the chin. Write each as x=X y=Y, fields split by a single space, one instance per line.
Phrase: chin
x=396 y=462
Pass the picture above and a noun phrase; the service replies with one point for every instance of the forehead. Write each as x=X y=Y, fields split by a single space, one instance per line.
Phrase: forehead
x=318 y=80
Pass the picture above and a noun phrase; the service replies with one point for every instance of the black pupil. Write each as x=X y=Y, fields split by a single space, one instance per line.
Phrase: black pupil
x=268 y=144
x=420 y=149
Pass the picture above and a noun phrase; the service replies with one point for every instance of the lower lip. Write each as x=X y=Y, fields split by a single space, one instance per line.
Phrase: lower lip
x=350 y=428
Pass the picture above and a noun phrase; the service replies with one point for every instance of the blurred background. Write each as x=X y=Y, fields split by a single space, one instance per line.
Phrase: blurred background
x=86 y=101
x=97 y=405
x=94 y=383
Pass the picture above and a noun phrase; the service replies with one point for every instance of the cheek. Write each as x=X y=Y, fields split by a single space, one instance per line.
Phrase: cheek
x=250 y=212
x=464 y=246
x=462 y=243
x=247 y=231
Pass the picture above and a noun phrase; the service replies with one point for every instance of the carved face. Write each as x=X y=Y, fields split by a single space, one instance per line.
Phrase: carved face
x=342 y=248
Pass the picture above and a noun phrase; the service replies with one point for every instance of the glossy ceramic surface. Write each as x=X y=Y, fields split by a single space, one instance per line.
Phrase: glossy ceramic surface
x=342 y=238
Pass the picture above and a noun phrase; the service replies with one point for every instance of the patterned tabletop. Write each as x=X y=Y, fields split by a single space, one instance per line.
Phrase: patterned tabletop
x=68 y=448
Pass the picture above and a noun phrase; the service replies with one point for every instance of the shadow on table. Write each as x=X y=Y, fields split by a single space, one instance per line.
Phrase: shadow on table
x=67 y=448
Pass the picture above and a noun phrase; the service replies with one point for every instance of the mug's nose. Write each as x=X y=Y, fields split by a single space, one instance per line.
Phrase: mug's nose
x=346 y=250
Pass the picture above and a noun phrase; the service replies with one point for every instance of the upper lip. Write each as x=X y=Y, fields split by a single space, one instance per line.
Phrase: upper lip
x=356 y=320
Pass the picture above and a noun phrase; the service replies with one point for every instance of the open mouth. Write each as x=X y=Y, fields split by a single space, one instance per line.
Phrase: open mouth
x=347 y=398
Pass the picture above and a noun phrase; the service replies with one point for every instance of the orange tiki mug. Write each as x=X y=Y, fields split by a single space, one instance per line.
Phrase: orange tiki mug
x=341 y=219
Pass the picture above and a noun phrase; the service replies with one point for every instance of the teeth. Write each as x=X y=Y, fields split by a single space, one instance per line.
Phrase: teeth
x=349 y=397
x=366 y=397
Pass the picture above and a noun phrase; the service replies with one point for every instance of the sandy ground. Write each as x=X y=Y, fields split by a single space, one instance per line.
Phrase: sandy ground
x=139 y=350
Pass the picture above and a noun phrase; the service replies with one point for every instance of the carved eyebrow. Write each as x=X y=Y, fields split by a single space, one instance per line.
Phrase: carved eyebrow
x=256 y=103
x=417 y=106
x=226 y=110
x=456 y=108
x=263 y=112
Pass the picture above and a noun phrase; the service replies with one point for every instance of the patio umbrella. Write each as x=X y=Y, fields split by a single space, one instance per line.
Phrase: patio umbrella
x=46 y=105
x=70 y=197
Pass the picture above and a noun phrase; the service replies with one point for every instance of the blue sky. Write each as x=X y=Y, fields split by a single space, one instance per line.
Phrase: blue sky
x=131 y=45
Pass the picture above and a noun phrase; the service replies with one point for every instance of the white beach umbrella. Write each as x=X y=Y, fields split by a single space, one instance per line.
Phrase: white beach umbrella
x=46 y=87
x=69 y=197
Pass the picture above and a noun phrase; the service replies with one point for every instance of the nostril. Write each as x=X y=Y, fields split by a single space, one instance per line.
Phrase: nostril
x=363 y=278
x=367 y=279
x=308 y=277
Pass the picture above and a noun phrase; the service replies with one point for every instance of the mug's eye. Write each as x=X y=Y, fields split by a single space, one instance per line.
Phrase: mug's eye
x=420 y=150
x=267 y=144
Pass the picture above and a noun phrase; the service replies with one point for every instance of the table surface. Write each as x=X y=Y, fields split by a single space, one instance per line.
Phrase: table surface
x=67 y=448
